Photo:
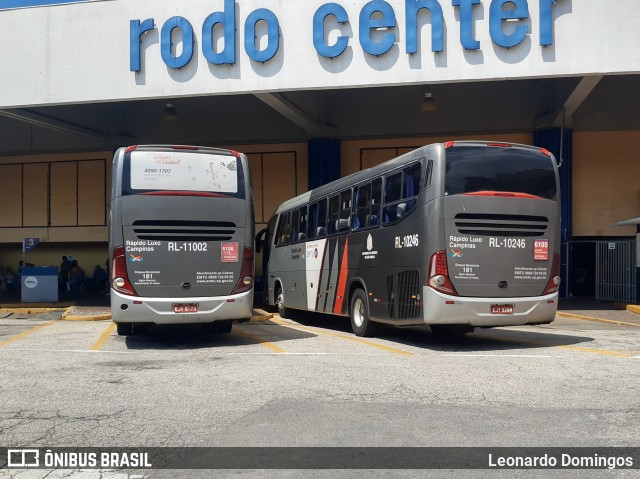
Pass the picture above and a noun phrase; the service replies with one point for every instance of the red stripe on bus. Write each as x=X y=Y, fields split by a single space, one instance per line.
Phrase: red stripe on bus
x=342 y=280
x=511 y=194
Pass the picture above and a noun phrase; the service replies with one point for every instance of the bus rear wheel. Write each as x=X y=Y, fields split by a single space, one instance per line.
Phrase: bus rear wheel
x=283 y=311
x=360 y=322
x=450 y=330
x=124 y=329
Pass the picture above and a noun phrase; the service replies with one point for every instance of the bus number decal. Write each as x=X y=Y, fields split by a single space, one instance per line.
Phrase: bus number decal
x=541 y=250
x=407 y=241
x=230 y=252
x=520 y=243
x=188 y=246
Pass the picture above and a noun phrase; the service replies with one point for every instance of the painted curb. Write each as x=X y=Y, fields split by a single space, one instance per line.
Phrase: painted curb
x=99 y=317
x=597 y=320
x=633 y=308
x=261 y=318
x=30 y=310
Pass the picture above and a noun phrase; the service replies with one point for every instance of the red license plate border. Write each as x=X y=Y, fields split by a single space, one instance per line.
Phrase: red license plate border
x=179 y=308
x=502 y=308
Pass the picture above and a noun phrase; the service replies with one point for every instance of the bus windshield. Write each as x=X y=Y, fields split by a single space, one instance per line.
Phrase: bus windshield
x=177 y=170
x=471 y=169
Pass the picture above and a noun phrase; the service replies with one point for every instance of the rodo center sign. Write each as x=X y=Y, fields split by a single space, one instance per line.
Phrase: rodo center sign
x=376 y=26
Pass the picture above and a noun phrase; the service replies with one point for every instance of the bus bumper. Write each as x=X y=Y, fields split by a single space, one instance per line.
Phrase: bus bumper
x=440 y=308
x=133 y=309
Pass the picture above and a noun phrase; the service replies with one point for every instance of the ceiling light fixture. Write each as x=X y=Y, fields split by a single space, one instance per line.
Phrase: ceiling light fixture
x=169 y=113
x=428 y=102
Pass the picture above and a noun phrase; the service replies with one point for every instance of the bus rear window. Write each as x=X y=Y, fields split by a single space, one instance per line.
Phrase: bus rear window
x=147 y=171
x=471 y=169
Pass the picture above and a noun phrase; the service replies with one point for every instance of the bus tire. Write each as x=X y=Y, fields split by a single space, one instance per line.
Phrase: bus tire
x=360 y=322
x=124 y=329
x=223 y=326
x=450 y=330
x=283 y=311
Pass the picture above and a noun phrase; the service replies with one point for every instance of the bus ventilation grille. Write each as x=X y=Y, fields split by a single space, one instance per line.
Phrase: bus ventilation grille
x=182 y=230
x=409 y=294
x=501 y=225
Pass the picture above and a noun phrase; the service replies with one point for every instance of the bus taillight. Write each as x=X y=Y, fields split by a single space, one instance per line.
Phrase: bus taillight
x=439 y=274
x=554 y=280
x=245 y=283
x=119 y=277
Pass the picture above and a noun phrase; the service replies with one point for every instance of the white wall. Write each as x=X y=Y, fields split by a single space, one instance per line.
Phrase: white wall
x=80 y=52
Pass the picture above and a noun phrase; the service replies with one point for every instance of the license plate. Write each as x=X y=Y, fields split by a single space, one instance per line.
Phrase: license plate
x=502 y=309
x=185 y=308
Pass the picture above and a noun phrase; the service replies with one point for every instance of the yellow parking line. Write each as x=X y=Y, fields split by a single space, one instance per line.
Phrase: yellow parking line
x=26 y=333
x=533 y=342
x=267 y=344
x=106 y=334
x=342 y=336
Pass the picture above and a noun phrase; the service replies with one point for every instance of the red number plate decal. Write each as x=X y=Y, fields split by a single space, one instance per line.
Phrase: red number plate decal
x=502 y=309
x=185 y=308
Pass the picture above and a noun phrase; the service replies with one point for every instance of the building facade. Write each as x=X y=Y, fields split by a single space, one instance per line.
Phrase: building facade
x=311 y=90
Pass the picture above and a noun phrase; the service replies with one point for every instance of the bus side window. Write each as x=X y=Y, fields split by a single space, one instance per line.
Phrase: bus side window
x=312 y=231
x=392 y=193
x=302 y=226
x=411 y=187
x=284 y=229
x=345 y=211
x=428 y=174
x=376 y=199
x=321 y=232
x=361 y=210
x=334 y=214
x=295 y=224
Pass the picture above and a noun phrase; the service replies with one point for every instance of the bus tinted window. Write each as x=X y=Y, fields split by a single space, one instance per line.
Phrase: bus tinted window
x=178 y=170
x=334 y=214
x=471 y=169
x=302 y=224
x=345 y=210
x=284 y=230
x=401 y=192
x=366 y=212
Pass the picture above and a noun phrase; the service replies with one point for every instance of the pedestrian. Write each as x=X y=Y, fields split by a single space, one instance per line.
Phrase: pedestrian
x=76 y=278
x=63 y=280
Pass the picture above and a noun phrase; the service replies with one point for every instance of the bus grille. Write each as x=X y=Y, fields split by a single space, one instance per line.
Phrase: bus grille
x=501 y=225
x=181 y=230
x=409 y=294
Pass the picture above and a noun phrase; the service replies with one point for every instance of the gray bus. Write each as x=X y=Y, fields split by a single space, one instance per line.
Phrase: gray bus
x=454 y=235
x=181 y=231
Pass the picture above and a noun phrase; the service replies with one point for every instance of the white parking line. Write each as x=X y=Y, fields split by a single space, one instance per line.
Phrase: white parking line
x=497 y=355
x=65 y=351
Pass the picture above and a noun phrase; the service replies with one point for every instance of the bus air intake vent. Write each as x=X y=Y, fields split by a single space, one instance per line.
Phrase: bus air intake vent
x=184 y=230
x=409 y=294
x=501 y=225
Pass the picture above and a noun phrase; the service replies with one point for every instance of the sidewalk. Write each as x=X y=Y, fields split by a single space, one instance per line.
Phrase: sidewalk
x=591 y=310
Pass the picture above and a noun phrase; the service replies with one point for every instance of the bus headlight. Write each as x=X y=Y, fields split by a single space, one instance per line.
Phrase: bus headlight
x=119 y=282
x=438 y=280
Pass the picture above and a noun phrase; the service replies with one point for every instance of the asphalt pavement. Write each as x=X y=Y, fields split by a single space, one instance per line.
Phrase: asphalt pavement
x=97 y=308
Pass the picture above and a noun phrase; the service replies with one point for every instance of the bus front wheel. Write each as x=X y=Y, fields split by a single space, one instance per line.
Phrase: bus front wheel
x=283 y=311
x=360 y=322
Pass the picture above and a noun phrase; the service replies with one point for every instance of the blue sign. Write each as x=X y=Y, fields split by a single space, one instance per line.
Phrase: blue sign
x=375 y=15
x=30 y=244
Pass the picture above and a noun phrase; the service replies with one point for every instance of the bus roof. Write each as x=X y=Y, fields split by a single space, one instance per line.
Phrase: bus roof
x=435 y=149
